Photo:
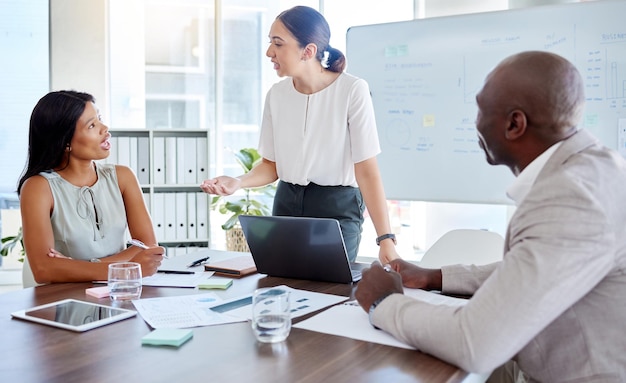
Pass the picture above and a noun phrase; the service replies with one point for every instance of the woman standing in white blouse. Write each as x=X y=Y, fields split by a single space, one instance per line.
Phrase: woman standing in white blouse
x=318 y=136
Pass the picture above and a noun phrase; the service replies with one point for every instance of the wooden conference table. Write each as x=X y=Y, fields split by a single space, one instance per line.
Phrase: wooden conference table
x=31 y=352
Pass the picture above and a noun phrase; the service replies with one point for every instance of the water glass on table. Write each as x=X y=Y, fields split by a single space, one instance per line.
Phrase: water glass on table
x=271 y=316
x=124 y=281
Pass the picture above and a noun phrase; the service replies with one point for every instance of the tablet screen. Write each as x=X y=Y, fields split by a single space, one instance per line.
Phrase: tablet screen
x=74 y=315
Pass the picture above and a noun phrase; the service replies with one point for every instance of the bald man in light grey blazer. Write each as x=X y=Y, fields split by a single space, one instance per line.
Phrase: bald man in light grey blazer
x=554 y=309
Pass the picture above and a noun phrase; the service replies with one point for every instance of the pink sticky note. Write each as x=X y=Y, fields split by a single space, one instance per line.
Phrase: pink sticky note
x=98 y=292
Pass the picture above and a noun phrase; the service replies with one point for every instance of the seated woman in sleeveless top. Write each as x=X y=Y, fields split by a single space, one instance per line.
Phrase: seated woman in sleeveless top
x=76 y=212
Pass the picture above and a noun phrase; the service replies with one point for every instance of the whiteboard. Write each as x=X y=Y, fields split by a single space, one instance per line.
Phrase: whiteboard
x=424 y=74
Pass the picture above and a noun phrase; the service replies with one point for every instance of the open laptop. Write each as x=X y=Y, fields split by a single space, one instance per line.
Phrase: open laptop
x=298 y=247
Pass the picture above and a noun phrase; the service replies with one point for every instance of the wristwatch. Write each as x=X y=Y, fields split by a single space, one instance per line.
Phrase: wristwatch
x=385 y=236
x=373 y=307
x=95 y=260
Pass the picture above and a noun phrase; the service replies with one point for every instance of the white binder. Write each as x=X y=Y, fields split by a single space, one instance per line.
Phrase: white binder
x=158 y=215
x=132 y=154
x=123 y=150
x=143 y=160
x=170 y=216
x=158 y=150
x=170 y=160
x=181 y=215
x=170 y=251
x=180 y=250
x=192 y=233
x=202 y=159
x=202 y=215
x=181 y=156
x=190 y=177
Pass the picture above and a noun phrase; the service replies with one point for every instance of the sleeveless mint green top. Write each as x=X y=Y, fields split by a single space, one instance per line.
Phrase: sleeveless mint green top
x=88 y=222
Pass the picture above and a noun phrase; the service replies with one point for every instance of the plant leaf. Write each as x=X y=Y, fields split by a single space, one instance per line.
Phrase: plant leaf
x=9 y=239
x=245 y=158
x=231 y=222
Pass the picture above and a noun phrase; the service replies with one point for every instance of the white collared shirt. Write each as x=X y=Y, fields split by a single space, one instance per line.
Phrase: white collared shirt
x=520 y=187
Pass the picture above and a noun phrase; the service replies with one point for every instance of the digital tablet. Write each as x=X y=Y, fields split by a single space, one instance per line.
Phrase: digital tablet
x=74 y=315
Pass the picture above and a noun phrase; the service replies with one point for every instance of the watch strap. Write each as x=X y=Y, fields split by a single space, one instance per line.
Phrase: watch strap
x=385 y=236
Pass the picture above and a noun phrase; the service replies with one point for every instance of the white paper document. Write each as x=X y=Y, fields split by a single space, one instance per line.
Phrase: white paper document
x=182 y=311
x=208 y=309
x=176 y=280
x=351 y=321
x=302 y=302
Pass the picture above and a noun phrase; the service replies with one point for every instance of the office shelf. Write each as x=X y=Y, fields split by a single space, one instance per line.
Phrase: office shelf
x=170 y=164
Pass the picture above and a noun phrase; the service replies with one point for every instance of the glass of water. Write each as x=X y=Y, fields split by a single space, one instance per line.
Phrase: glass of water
x=271 y=316
x=124 y=281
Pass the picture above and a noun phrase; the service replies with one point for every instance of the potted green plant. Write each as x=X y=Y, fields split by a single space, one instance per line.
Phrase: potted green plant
x=252 y=202
x=9 y=242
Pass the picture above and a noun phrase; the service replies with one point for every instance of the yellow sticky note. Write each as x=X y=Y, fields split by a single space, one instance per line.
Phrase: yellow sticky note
x=428 y=120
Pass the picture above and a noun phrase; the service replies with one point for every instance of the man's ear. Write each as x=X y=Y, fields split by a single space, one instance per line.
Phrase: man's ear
x=309 y=52
x=517 y=124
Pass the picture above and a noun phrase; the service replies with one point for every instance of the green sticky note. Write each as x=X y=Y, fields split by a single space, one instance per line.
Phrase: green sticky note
x=215 y=283
x=167 y=337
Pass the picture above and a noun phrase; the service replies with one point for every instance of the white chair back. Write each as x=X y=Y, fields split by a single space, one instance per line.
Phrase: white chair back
x=27 y=275
x=464 y=246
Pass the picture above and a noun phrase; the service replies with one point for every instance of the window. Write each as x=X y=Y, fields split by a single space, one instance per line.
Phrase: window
x=24 y=75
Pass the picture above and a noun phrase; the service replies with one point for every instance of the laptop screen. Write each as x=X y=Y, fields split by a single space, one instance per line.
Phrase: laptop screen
x=298 y=247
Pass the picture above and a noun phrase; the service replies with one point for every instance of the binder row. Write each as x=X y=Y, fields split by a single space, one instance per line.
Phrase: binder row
x=174 y=251
x=176 y=160
x=179 y=216
x=180 y=160
x=133 y=152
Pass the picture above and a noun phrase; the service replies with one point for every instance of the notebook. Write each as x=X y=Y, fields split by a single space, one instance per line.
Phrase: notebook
x=298 y=247
x=233 y=267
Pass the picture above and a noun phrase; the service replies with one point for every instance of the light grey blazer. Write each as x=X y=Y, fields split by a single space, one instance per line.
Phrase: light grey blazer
x=557 y=302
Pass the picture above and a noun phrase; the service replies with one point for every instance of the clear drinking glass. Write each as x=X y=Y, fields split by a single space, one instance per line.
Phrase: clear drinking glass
x=124 y=281
x=271 y=316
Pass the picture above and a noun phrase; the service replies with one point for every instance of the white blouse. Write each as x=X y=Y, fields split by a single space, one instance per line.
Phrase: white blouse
x=319 y=137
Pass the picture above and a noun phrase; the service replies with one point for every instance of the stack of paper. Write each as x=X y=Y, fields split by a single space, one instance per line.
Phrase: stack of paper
x=351 y=321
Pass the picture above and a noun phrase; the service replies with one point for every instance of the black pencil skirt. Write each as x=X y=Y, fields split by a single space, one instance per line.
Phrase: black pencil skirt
x=343 y=203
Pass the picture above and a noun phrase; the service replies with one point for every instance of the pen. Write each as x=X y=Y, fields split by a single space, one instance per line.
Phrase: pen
x=138 y=243
x=198 y=262
x=175 y=272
